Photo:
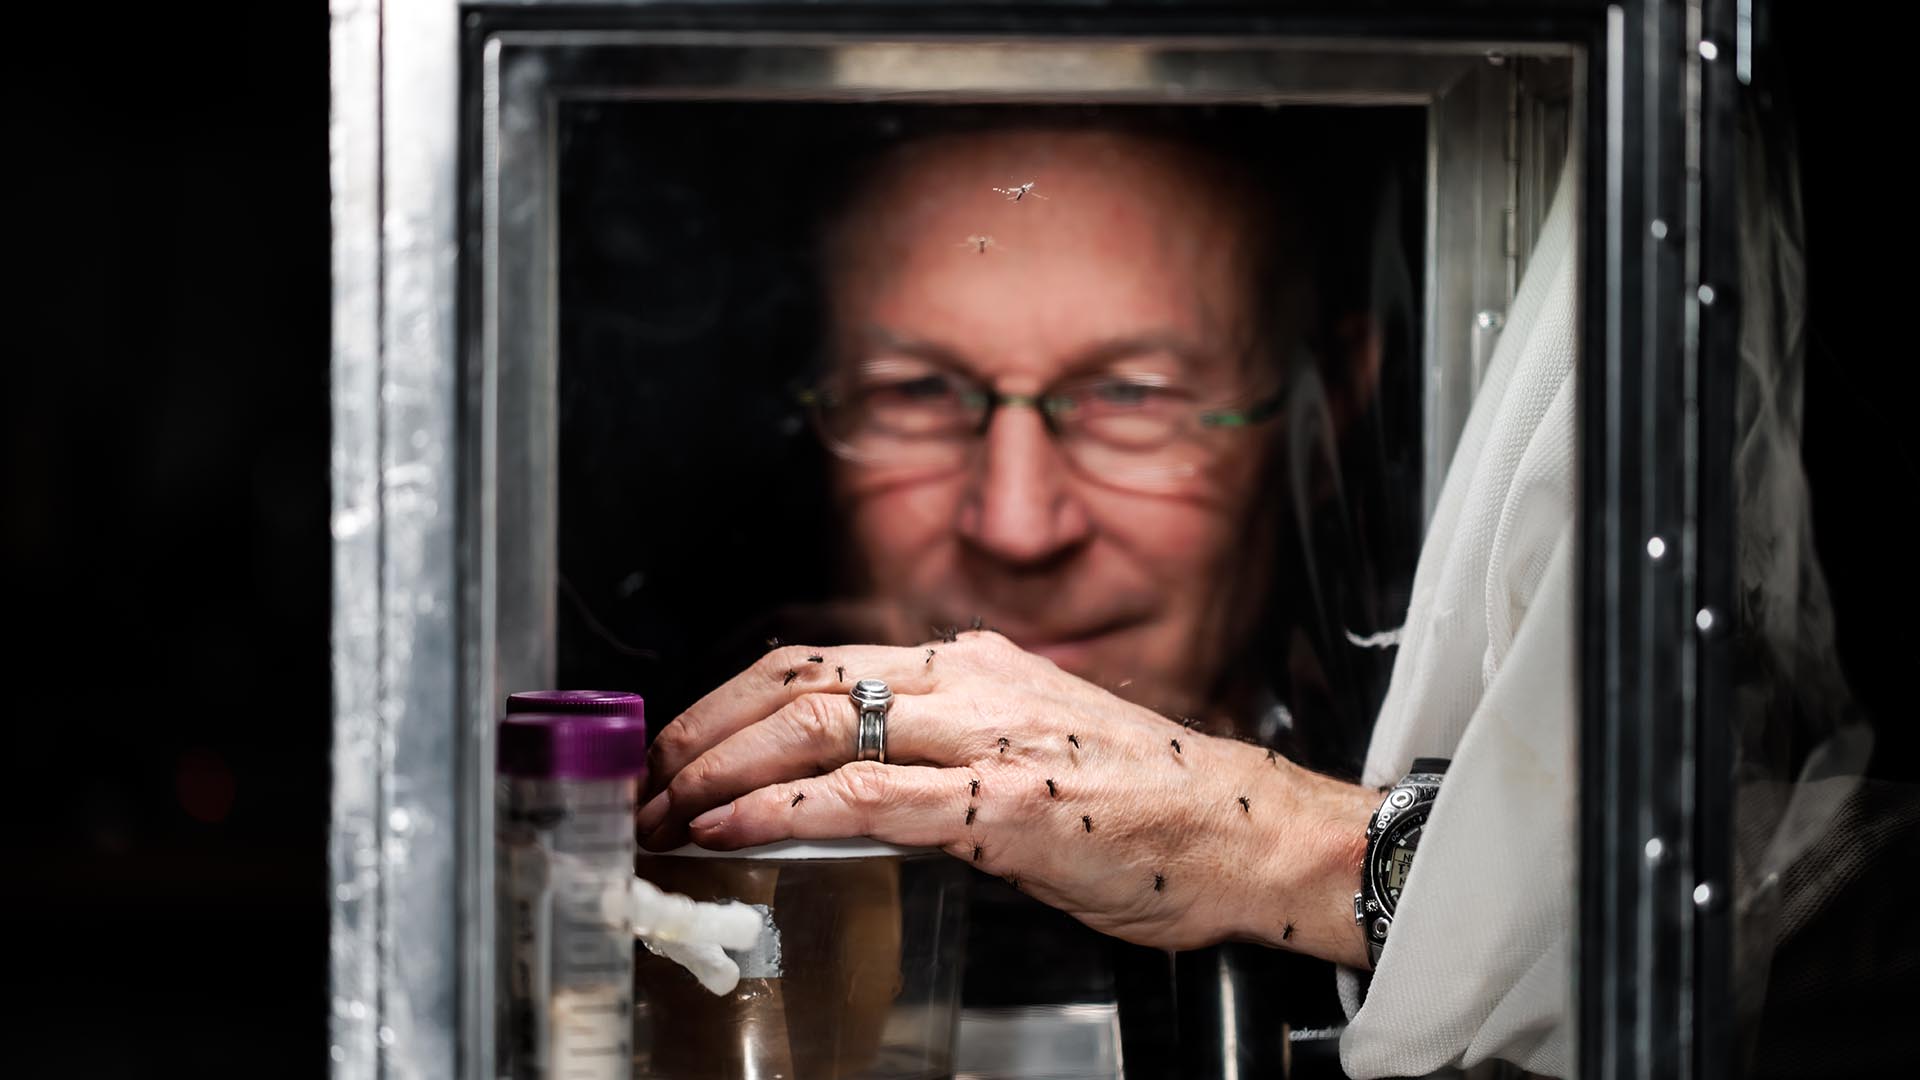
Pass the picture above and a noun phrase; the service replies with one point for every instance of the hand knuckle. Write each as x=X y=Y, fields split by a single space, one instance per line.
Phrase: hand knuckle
x=866 y=785
x=669 y=746
x=816 y=719
x=696 y=778
x=771 y=663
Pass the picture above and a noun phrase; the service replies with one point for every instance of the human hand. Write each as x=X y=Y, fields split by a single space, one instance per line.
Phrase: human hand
x=1135 y=824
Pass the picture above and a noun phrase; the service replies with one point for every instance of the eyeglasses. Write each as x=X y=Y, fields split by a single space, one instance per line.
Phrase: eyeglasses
x=1130 y=430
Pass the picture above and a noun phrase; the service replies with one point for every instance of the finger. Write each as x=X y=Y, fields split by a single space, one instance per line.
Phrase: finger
x=811 y=735
x=761 y=690
x=912 y=805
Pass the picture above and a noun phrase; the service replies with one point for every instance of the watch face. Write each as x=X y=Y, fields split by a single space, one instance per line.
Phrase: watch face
x=1393 y=857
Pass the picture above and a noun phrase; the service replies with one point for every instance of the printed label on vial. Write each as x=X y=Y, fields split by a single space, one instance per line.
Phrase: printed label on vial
x=568 y=949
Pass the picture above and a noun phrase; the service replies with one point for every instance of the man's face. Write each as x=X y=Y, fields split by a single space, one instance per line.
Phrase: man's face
x=1125 y=257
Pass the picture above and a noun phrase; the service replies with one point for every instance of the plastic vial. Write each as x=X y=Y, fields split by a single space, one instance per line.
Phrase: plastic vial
x=565 y=787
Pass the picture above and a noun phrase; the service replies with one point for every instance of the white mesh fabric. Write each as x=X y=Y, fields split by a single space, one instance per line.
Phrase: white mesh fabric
x=1477 y=962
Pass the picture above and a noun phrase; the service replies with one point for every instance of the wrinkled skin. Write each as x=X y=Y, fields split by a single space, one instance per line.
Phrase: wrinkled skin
x=738 y=757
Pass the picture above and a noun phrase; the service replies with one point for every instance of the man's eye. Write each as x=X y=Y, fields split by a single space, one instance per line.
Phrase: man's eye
x=925 y=389
x=1122 y=393
x=929 y=386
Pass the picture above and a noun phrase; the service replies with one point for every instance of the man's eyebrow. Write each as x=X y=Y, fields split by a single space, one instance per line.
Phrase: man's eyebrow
x=879 y=339
x=1191 y=355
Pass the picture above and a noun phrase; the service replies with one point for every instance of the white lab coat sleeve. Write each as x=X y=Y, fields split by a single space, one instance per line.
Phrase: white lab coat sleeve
x=1477 y=964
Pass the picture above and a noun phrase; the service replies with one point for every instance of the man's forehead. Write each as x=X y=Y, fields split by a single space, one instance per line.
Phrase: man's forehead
x=1120 y=238
x=1025 y=168
x=1132 y=208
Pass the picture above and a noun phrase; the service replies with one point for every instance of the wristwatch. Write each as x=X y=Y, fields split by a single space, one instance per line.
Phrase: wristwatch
x=1392 y=835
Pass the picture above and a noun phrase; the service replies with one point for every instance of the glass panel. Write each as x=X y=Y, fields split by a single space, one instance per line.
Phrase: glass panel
x=1166 y=394
x=704 y=509
x=1234 y=518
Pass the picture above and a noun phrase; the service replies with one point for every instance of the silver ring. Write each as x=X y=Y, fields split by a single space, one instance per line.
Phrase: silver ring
x=873 y=697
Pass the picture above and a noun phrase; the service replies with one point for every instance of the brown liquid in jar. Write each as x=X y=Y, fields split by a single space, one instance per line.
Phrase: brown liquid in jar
x=839 y=926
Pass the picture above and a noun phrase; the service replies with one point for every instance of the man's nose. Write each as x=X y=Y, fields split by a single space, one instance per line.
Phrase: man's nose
x=1020 y=507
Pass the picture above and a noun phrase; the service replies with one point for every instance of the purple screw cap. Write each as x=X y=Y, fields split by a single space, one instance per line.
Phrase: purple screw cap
x=585 y=702
x=576 y=746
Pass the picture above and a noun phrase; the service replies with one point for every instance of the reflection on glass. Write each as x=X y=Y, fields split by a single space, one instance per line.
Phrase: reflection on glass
x=1825 y=823
x=1130 y=386
x=785 y=391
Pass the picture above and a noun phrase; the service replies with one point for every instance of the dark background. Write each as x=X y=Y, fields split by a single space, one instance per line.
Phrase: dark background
x=165 y=546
